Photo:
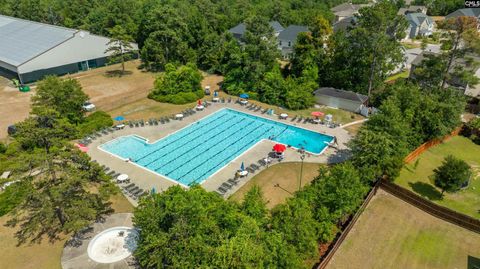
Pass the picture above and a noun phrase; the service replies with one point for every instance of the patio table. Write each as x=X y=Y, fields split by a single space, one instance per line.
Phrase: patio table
x=122 y=178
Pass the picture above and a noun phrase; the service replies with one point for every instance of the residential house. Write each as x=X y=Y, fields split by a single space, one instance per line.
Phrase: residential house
x=346 y=10
x=465 y=62
x=419 y=25
x=288 y=37
x=412 y=9
x=239 y=30
x=465 y=12
x=344 y=24
x=346 y=100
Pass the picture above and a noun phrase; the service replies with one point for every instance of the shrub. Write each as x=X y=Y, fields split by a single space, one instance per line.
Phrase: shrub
x=178 y=85
x=3 y=148
x=94 y=122
x=452 y=175
x=472 y=130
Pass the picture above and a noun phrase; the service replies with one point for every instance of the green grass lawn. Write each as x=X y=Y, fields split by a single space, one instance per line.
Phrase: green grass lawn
x=419 y=178
x=409 y=45
x=403 y=74
x=391 y=233
x=287 y=175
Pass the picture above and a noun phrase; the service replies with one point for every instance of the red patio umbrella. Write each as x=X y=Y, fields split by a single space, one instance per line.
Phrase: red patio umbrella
x=199 y=102
x=81 y=147
x=279 y=148
x=317 y=114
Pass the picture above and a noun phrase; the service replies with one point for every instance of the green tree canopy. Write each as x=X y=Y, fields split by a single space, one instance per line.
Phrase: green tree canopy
x=61 y=200
x=452 y=174
x=63 y=95
x=120 y=46
x=178 y=85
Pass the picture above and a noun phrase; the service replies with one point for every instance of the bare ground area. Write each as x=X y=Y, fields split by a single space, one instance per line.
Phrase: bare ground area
x=287 y=175
x=391 y=233
x=14 y=105
x=107 y=90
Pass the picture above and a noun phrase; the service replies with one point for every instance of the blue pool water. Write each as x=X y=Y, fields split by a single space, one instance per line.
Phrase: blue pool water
x=195 y=152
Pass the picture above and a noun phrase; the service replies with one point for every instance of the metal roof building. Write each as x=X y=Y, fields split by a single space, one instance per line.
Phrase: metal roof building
x=32 y=50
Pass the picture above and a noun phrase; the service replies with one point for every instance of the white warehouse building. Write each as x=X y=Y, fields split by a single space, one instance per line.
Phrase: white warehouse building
x=31 y=50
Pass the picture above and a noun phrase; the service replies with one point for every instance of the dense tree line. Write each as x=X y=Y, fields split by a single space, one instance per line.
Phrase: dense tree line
x=196 y=229
x=440 y=7
x=409 y=116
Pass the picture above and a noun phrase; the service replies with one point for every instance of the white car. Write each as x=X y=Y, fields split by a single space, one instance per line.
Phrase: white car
x=88 y=106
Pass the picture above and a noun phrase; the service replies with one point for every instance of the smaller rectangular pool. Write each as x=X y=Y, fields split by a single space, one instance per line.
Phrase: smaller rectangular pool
x=197 y=151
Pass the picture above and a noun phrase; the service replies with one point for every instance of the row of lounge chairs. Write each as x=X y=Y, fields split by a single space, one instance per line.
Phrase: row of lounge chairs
x=314 y=121
x=89 y=138
x=231 y=182
x=131 y=189
x=134 y=191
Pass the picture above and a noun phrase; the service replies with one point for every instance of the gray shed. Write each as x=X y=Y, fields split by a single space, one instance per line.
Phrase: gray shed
x=346 y=100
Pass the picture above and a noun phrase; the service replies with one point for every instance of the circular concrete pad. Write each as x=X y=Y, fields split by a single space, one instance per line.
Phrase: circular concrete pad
x=102 y=245
x=113 y=245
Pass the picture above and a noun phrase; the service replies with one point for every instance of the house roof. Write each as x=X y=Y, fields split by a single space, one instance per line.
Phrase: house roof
x=344 y=24
x=468 y=12
x=22 y=40
x=292 y=31
x=347 y=9
x=418 y=18
x=348 y=95
x=411 y=9
x=418 y=60
x=241 y=28
x=277 y=27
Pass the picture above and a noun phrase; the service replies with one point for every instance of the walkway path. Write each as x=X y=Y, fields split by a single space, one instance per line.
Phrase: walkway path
x=354 y=122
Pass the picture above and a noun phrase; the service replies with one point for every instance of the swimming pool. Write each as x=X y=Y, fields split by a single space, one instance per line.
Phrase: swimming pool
x=197 y=151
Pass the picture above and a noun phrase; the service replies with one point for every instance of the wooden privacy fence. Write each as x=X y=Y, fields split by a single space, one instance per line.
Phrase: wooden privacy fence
x=433 y=209
x=344 y=233
x=425 y=146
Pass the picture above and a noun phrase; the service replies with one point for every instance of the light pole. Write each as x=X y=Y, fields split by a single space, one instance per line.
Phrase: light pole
x=302 y=157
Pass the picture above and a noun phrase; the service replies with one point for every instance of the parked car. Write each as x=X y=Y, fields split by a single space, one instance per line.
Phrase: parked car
x=87 y=106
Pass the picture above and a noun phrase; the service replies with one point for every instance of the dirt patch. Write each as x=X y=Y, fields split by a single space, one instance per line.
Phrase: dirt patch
x=109 y=91
x=14 y=105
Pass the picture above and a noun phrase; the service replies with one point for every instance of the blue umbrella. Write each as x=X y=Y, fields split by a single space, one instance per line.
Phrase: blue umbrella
x=244 y=95
x=153 y=190
x=119 y=118
x=215 y=93
x=242 y=167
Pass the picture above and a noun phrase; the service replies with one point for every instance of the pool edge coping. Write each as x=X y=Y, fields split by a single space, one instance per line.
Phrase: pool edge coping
x=221 y=168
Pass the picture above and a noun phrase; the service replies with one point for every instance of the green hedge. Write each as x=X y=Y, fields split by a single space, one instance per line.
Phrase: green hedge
x=94 y=122
x=179 y=98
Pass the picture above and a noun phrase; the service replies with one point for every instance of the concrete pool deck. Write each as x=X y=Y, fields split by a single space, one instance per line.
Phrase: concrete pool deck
x=147 y=180
x=75 y=254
